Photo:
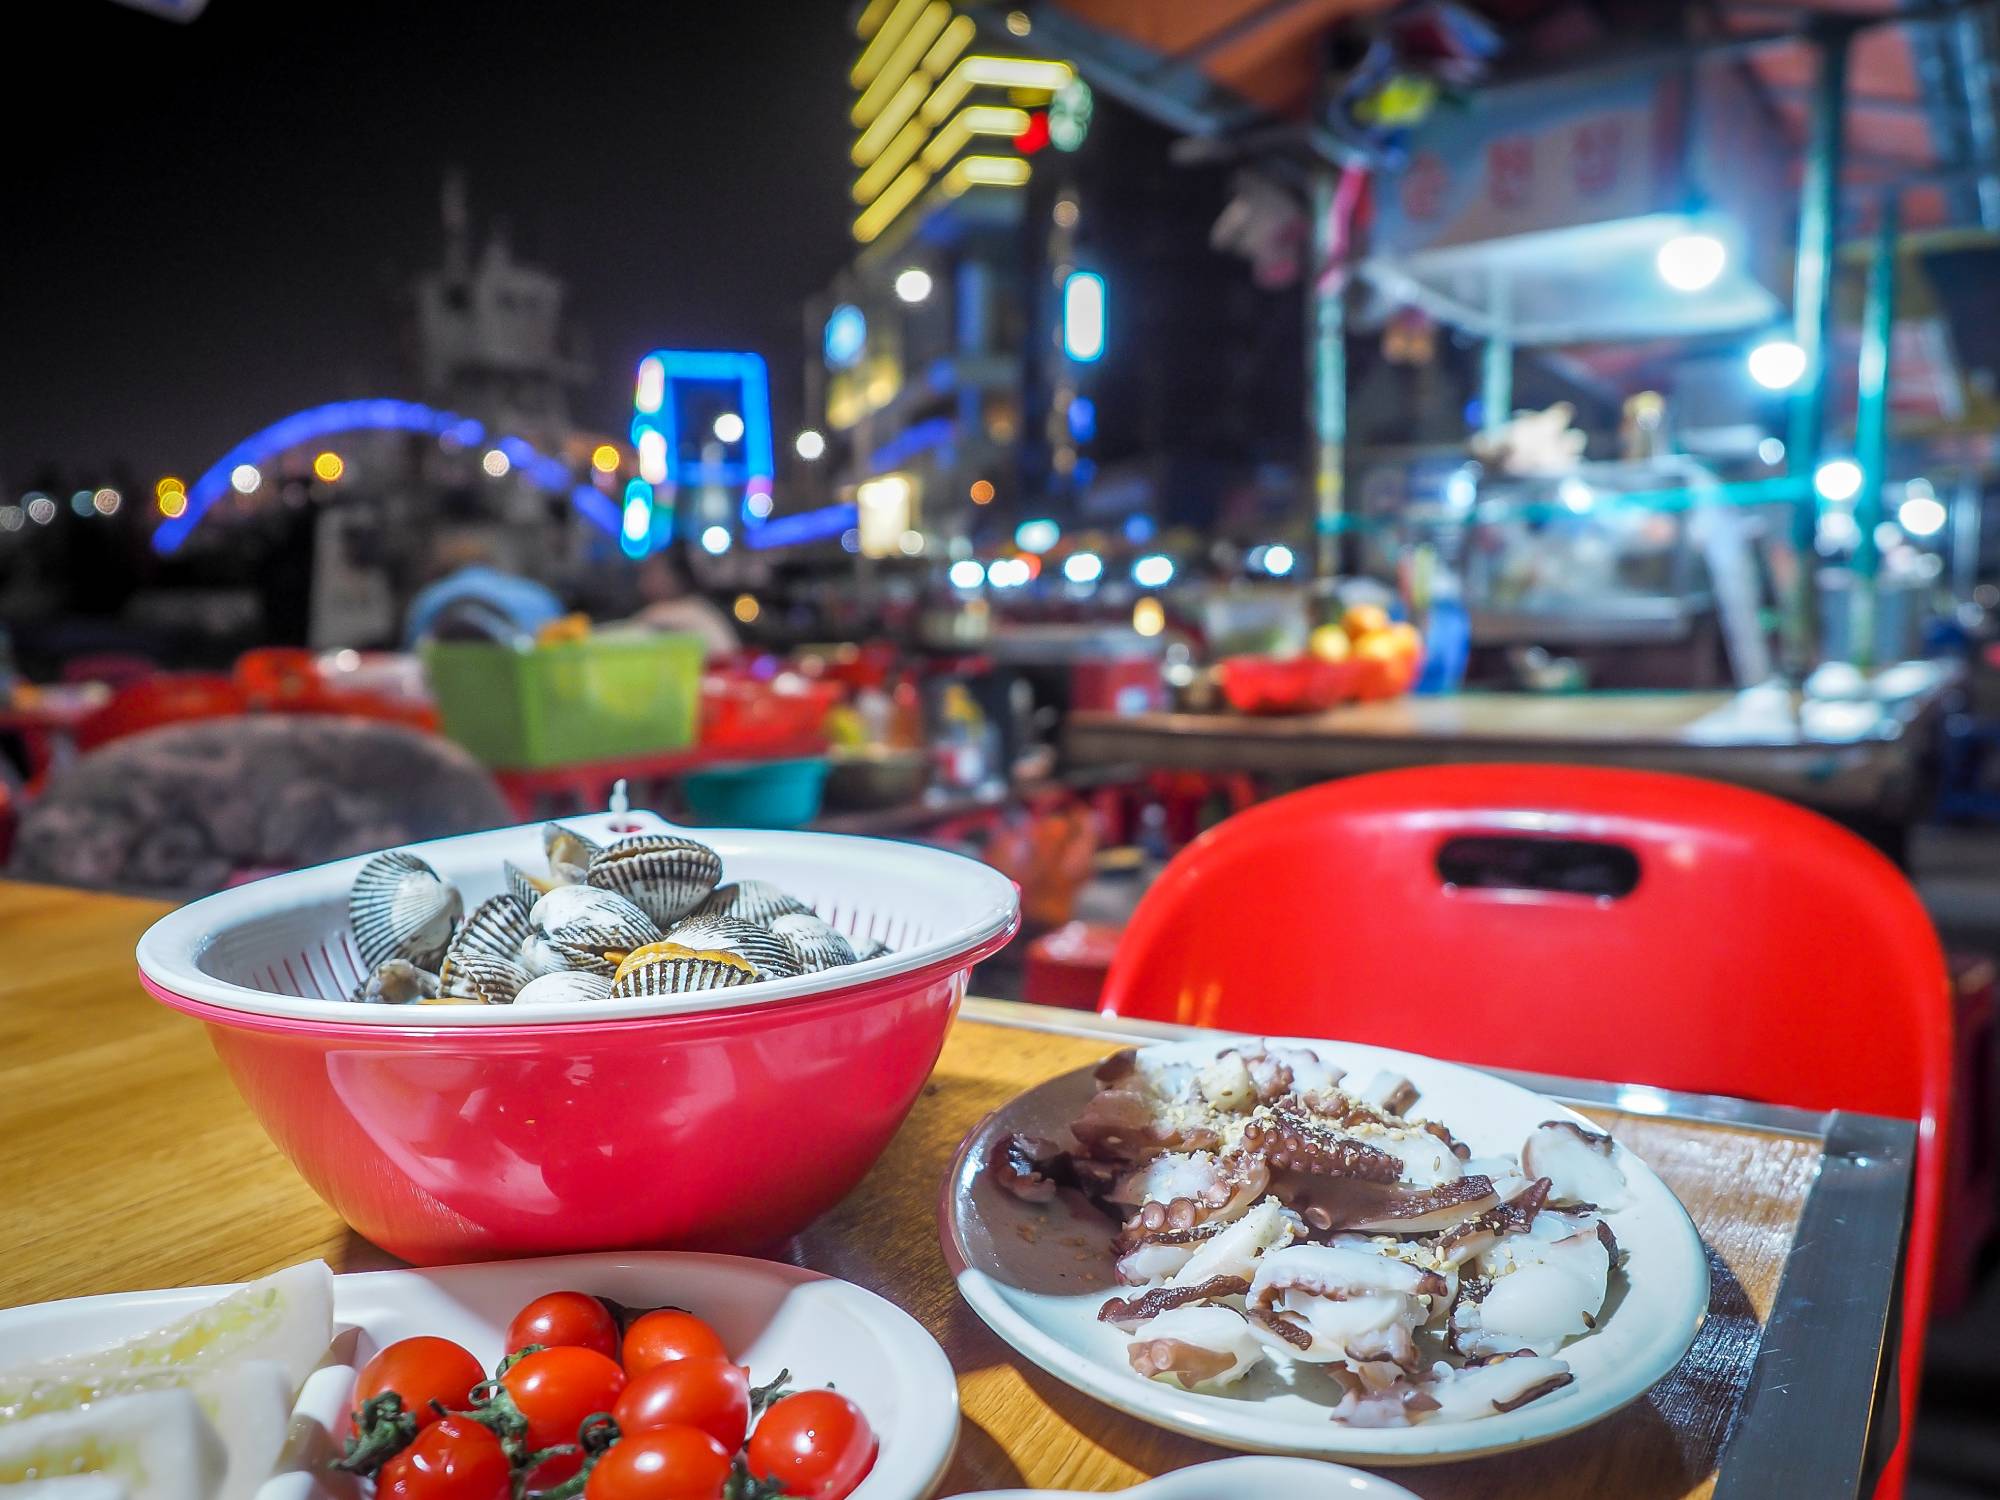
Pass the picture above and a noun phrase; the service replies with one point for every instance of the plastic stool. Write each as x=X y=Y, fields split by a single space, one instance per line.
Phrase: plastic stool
x=1067 y=967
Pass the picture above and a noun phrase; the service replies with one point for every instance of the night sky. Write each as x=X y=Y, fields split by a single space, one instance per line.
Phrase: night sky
x=206 y=226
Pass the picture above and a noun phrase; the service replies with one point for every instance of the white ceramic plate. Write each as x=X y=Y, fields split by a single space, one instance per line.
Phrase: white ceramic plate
x=1241 y=1479
x=771 y=1316
x=1038 y=1276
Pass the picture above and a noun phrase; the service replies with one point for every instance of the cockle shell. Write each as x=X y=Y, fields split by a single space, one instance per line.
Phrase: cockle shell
x=867 y=948
x=540 y=956
x=480 y=978
x=817 y=945
x=683 y=976
x=401 y=908
x=397 y=982
x=663 y=875
x=569 y=853
x=771 y=954
x=588 y=926
x=526 y=888
x=497 y=927
x=749 y=901
x=565 y=987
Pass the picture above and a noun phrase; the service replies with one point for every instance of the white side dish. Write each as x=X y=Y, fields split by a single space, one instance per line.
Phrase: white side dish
x=774 y=1316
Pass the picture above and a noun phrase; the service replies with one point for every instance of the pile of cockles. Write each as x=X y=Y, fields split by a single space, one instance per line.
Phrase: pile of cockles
x=1270 y=1215
x=646 y=915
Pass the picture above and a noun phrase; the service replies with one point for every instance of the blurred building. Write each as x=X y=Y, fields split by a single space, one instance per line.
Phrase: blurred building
x=490 y=338
x=1034 y=323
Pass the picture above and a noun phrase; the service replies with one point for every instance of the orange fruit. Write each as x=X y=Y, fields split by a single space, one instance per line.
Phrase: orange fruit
x=1330 y=643
x=1364 y=619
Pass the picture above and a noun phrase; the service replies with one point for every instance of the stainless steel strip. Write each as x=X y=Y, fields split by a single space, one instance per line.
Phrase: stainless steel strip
x=1819 y=1413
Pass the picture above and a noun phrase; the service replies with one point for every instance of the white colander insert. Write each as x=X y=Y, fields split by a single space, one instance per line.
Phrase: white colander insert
x=283 y=947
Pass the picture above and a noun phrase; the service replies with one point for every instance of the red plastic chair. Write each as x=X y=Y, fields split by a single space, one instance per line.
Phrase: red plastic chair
x=1762 y=953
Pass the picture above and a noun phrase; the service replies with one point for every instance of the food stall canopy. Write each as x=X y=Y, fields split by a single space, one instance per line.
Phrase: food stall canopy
x=1537 y=211
x=1922 y=107
x=1203 y=66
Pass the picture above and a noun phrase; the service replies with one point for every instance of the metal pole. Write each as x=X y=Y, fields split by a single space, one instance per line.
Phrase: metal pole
x=1496 y=365
x=1326 y=340
x=1871 y=426
x=1812 y=309
x=1966 y=500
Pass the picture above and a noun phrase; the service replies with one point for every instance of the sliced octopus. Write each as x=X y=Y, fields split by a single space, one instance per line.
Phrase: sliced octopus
x=1272 y=1210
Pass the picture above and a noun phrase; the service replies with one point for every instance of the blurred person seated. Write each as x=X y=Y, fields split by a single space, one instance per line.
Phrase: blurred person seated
x=471 y=599
x=672 y=604
x=182 y=810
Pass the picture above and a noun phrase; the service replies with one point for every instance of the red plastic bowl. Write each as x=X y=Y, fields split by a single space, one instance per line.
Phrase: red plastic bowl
x=1289 y=685
x=726 y=1128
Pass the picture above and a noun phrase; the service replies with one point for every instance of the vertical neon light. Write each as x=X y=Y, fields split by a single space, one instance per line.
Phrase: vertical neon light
x=1083 y=317
x=652 y=387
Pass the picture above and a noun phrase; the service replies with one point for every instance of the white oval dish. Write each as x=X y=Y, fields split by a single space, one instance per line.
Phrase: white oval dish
x=1241 y=1479
x=771 y=1316
x=1039 y=1284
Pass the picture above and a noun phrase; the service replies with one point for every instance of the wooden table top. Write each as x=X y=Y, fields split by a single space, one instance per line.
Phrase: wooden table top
x=1859 y=759
x=129 y=1162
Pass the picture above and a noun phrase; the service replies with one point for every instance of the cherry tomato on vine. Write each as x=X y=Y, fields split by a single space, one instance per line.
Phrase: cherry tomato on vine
x=815 y=1444
x=706 y=1392
x=668 y=1463
x=564 y=1320
x=668 y=1334
x=452 y=1459
x=555 y=1390
x=420 y=1370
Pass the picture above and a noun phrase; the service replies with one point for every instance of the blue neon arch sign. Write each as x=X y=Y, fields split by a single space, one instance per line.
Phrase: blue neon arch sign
x=337 y=417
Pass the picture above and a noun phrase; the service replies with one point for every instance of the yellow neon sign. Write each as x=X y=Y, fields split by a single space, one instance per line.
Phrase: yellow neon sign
x=985 y=171
x=901 y=62
x=890 y=162
x=977 y=119
x=887 y=34
x=871 y=18
x=995 y=72
x=882 y=129
x=946 y=49
x=896 y=197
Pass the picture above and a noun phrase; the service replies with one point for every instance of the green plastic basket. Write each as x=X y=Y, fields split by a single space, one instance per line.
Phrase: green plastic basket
x=595 y=699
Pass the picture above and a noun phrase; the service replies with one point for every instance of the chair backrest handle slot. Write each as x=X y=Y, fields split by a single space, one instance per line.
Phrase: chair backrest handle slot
x=1525 y=862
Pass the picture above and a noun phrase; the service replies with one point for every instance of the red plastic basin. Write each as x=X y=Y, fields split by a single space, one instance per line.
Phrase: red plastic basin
x=721 y=1130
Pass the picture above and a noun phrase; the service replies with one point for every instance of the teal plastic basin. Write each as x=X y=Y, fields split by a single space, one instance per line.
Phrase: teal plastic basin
x=757 y=794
